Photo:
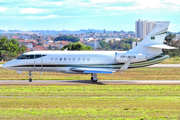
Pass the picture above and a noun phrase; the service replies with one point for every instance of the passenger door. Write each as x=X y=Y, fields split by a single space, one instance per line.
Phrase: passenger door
x=38 y=62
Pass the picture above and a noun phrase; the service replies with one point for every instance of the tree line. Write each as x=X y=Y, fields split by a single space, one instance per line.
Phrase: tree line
x=77 y=46
x=171 y=42
x=10 y=49
x=126 y=44
x=123 y=45
x=67 y=38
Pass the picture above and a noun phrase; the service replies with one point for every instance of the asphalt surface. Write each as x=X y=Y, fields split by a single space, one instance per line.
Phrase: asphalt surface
x=165 y=66
x=88 y=82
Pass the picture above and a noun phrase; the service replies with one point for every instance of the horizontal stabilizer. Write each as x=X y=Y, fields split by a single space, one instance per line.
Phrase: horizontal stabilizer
x=160 y=46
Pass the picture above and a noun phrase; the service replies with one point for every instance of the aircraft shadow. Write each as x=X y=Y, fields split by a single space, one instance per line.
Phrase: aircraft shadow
x=85 y=82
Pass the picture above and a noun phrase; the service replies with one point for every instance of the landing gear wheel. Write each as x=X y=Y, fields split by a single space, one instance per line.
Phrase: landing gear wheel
x=30 y=80
x=92 y=79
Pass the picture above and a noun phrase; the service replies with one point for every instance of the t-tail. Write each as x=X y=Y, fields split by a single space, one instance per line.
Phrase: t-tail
x=152 y=44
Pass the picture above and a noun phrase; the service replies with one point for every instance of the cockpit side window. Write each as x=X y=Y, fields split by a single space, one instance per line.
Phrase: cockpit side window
x=30 y=56
x=37 y=56
x=27 y=56
x=22 y=57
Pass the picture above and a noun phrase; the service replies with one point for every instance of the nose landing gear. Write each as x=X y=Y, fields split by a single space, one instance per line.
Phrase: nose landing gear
x=30 y=79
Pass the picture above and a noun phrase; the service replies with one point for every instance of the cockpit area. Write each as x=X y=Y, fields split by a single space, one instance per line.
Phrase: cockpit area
x=30 y=56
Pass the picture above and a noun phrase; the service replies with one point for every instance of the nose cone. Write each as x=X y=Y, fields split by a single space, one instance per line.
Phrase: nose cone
x=9 y=65
x=6 y=65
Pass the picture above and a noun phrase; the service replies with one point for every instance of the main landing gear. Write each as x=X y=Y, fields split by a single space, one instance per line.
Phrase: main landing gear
x=94 y=77
x=30 y=79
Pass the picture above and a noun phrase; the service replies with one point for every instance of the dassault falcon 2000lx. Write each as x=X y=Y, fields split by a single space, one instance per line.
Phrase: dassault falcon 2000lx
x=147 y=52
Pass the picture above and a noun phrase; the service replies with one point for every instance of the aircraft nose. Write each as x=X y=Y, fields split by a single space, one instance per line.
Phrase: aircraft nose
x=8 y=65
x=5 y=65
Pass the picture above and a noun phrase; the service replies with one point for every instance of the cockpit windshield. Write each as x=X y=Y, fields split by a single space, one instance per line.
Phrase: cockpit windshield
x=30 y=56
x=26 y=57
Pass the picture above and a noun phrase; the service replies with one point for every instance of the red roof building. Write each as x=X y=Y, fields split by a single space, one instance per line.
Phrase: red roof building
x=28 y=49
x=15 y=37
x=38 y=48
x=34 y=41
x=64 y=42
x=34 y=44
x=21 y=41
x=46 y=45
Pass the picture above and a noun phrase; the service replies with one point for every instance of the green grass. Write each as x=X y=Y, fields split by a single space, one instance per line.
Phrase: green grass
x=90 y=102
x=2 y=62
x=91 y=90
x=174 y=60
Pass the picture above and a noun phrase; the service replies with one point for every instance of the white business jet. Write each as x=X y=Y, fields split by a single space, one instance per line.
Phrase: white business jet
x=147 y=52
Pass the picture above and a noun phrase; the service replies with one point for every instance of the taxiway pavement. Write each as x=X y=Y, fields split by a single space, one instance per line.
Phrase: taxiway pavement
x=88 y=82
x=165 y=66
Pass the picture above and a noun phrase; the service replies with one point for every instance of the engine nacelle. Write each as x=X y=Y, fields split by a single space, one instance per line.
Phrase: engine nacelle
x=124 y=57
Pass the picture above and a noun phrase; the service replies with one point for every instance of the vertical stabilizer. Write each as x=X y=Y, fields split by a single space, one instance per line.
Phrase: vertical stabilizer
x=155 y=37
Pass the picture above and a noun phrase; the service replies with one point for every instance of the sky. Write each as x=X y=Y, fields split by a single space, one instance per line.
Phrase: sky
x=86 y=14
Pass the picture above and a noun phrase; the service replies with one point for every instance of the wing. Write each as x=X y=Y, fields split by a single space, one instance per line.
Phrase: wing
x=88 y=70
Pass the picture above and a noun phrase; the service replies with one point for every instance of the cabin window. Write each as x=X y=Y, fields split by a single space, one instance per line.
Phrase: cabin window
x=74 y=59
x=60 y=59
x=88 y=59
x=56 y=59
x=51 y=59
x=79 y=59
x=64 y=59
x=69 y=59
x=83 y=59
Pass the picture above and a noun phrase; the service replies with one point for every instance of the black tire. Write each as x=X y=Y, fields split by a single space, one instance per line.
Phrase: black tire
x=30 y=80
x=93 y=80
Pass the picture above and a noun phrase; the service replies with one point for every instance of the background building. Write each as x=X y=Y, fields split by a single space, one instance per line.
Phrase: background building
x=142 y=28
